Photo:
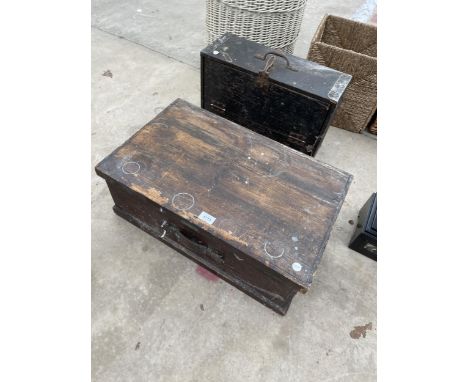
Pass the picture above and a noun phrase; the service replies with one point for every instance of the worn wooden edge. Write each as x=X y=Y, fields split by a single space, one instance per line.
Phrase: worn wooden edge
x=244 y=287
x=328 y=233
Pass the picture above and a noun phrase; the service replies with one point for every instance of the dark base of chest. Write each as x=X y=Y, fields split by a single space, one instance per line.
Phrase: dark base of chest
x=279 y=304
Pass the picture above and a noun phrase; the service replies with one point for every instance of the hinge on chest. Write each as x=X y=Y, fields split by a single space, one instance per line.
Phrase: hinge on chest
x=218 y=106
x=296 y=138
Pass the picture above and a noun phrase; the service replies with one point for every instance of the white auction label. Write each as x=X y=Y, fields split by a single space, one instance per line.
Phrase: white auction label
x=206 y=217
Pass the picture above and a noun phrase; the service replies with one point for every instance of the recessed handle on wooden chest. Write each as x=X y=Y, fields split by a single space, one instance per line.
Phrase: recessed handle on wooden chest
x=196 y=245
x=270 y=64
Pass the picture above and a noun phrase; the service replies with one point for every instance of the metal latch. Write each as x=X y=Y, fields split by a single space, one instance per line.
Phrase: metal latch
x=218 y=106
x=298 y=139
x=263 y=75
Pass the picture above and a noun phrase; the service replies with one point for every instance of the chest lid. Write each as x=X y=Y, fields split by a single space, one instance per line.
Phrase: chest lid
x=288 y=70
x=265 y=199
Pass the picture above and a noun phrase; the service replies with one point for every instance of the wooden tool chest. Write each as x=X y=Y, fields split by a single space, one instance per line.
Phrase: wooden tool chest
x=286 y=98
x=253 y=211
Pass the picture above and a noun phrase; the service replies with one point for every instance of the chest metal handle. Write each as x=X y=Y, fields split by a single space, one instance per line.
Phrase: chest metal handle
x=270 y=62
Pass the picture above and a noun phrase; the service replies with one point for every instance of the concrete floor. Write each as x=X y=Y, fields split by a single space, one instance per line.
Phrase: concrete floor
x=155 y=316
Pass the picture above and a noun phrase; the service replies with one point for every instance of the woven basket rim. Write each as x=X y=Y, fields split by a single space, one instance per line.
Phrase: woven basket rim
x=249 y=10
x=338 y=48
x=324 y=26
x=328 y=16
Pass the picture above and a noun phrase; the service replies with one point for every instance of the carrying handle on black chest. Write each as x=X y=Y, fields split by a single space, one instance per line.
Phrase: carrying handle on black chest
x=269 y=63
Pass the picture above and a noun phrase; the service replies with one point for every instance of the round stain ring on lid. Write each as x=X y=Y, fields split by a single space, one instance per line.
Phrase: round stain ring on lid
x=131 y=168
x=269 y=254
x=183 y=201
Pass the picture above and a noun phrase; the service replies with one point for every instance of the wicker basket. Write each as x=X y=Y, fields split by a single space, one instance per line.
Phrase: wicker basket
x=274 y=23
x=350 y=47
x=348 y=34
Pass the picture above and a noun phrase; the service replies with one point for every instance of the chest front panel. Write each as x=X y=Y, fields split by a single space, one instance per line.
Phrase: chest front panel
x=278 y=112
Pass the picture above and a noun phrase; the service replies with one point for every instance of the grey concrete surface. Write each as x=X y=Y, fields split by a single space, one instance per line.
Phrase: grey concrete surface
x=154 y=317
x=176 y=28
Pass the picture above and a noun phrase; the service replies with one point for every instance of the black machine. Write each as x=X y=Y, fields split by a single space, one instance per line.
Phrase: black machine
x=364 y=239
x=286 y=98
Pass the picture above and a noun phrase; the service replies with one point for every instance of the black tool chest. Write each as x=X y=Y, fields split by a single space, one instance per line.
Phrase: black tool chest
x=286 y=98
